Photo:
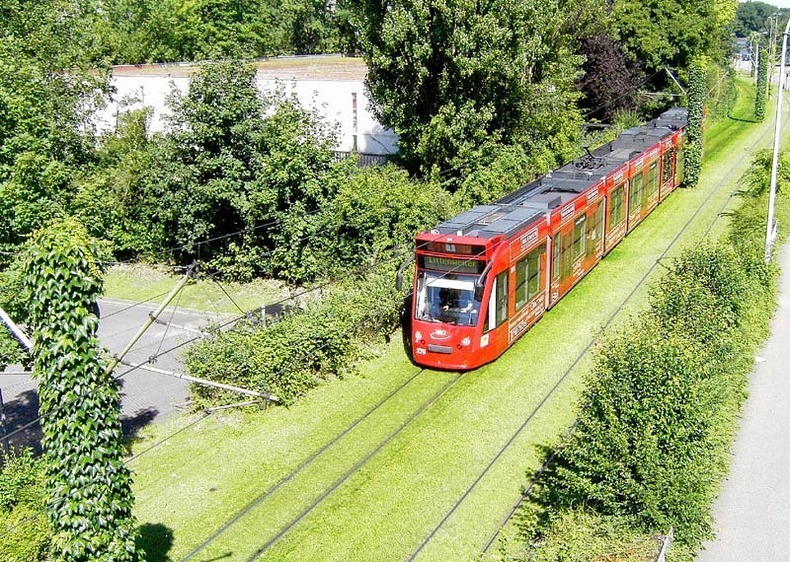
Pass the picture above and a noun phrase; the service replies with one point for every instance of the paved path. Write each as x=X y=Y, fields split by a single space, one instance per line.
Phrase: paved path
x=146 y=396
x=753 y=511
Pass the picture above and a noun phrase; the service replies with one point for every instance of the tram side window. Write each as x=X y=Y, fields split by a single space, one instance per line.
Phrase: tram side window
x=501 y=297
x=616 y=210
x=497 y=303
x=533 y=277
x=666 y=166
x=635 y=200
x=594 y=230
x=528 y=277
x=578 y=237
x=567 y=257
x=680 y=168
x=652 y=179
x=522 y=270
x=555 y=256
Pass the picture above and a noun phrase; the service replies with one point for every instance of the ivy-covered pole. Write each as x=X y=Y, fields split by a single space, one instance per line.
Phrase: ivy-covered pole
x=762 y=85
x=89 y=488
x=696 y=102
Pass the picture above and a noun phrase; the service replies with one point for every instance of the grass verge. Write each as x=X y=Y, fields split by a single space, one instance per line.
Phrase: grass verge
x=138 y=282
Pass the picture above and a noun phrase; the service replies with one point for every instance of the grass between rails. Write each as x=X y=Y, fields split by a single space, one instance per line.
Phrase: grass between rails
x=197 y=481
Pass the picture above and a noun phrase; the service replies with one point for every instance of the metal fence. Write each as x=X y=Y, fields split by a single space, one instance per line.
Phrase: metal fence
x=363 y=159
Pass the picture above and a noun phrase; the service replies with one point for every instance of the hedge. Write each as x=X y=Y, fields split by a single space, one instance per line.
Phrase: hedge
x=660 y=407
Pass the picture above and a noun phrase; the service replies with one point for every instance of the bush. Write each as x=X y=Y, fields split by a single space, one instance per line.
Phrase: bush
x=295 y=354
x=22 y=504
x=581 y=535
x=379 y=209
x=639 y=448
x=661 y=403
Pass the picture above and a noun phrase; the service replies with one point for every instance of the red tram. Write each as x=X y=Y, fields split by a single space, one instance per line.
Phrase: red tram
x=485 y=277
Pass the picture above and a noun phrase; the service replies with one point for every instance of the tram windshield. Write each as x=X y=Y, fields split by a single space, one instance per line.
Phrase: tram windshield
x=447 y=297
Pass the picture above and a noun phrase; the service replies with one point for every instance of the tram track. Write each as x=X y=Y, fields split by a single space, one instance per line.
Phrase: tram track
x=261 y=498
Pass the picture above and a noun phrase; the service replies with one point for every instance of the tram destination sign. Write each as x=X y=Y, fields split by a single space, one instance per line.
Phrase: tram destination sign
x=451 y=265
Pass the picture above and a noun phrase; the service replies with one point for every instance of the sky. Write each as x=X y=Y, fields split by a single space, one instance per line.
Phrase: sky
x=778 y=3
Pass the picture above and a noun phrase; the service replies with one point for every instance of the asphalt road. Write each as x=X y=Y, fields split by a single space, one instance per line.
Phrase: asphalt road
x=753 y=510
x=146 y=396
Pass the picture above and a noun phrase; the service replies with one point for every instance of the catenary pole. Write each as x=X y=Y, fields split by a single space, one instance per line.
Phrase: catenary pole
x=770 y=231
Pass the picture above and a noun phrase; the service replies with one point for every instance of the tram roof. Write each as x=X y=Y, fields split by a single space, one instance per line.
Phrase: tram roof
x=531 y=202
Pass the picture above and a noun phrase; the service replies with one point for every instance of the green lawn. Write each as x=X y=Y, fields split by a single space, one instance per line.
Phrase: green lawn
x=146 y=283
x=420 y=460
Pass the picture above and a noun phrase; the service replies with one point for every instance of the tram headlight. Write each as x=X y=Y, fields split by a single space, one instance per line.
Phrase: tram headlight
x=466 y=342
x=418 y=335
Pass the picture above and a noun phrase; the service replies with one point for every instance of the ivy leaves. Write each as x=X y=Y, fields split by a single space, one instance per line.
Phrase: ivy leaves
x=696 y=101
x=89 y=489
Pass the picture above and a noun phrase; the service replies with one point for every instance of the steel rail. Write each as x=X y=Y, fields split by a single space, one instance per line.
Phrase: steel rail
x=256 y=501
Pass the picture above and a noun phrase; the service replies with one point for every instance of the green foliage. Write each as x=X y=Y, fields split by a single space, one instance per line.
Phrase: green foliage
x=504 y=170
x=638 y=448
x=762 y=85
x=673 y=32
x=753 y=17
x=116 y=202
x=235 y=161
x=138 y=31
x=758 y=176
x=47 y=93
x=581 y=535
x=378 y=210
x=21 y=481
x=660 y=407
x=696 y=107
x=453 y=78
x=298 y=179
x=88 y=487
x=295 y=354
x=11 y=351
x=23 y=520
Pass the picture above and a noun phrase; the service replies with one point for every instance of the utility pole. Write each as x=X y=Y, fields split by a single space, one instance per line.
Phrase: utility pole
x=6 y=446
x=770 y=234
x=754 y=53
x=772 y=20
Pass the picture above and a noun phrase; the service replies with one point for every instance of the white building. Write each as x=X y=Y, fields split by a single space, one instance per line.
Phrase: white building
x=333 y=85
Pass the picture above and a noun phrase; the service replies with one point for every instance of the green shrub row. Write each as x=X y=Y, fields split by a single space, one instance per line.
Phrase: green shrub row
x=293 y=355
x=660 y=407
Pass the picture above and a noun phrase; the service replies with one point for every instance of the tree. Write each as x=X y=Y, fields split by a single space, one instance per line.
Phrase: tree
x=48 y=90
x=610 y=81
x=235 y=161
x=752 y=17
x=211 y=155
x=452 y=77
x=116 y=201
x=672 y=32
x=88 y=486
